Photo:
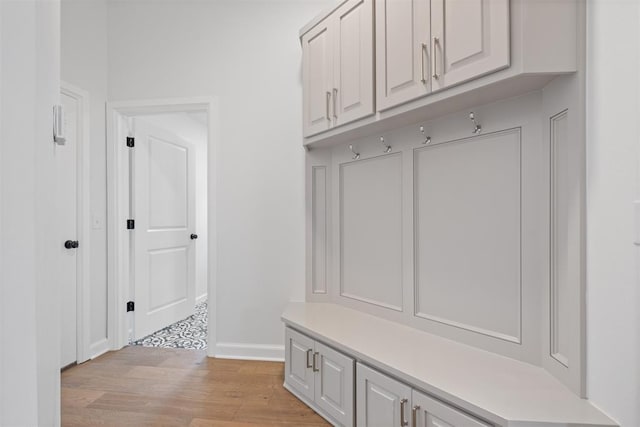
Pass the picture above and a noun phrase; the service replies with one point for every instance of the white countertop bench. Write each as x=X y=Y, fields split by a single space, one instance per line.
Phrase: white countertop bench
x=504 y=391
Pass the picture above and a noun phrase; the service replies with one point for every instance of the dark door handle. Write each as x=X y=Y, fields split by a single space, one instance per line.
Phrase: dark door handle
x=71 y=244
x=194 y=236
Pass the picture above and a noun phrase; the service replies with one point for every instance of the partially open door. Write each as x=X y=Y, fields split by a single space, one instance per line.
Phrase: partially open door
x=163 y=200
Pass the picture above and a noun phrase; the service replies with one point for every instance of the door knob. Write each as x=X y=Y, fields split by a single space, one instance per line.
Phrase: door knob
x=71 y=244
x=194 y=236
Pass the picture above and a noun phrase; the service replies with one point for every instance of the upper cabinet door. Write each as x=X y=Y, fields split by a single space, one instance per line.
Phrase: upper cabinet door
x=403 y=51
x=352 y=93
x=317 y=70
x=298 y=366
x=380 y=400
x=334 y=385
x=469 y=38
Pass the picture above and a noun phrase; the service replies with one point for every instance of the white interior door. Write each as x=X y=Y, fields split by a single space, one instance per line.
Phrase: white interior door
x=163 y=193
x=67 y=197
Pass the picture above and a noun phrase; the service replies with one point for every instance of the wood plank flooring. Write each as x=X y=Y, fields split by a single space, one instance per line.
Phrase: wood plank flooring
x=140 y=386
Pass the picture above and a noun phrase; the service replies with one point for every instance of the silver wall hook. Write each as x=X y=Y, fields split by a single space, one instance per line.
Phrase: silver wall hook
x=387 y=147
x=356 y=156
x=478 y=127
x=427 y=138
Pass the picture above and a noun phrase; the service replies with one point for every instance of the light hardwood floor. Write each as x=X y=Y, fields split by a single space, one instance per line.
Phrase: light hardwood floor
x=140 y=386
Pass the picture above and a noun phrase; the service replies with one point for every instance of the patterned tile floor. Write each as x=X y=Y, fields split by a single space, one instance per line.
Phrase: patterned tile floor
x=190 y=333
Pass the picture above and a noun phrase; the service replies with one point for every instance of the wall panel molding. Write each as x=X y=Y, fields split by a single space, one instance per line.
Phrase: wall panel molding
x=559 y=245
x=371 y=223
x=468 y=234
x=319 y=230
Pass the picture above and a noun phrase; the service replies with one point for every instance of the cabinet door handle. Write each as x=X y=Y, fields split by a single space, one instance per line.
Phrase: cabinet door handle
x=315 y=362
x=335 y=96
x=414 y=416
x=403 y=420
x=434 y=55
x=424 y=49
x=309 y=365
x=327 y=105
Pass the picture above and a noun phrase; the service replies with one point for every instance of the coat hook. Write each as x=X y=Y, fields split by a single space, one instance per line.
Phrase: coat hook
x=387 y=147
x=478 y=127
x=427 y=139
x=356 y=156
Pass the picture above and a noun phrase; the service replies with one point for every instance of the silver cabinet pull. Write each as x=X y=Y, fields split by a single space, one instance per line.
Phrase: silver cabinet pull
x=434 y=54
x=335 y=96
x=424 y=49
x=403 y=421
x=315 y=362
x=327 y=106
x=414 y=416
x=309 y=365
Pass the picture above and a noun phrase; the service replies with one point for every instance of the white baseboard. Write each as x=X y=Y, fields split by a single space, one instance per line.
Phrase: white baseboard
x=271 y=353
x=201 y=298
x=99 y=348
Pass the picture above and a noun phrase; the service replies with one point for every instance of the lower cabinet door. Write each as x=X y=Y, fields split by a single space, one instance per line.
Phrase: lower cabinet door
x=432 y=413
x=334 y=384
x=381 y=401
x=298 y=365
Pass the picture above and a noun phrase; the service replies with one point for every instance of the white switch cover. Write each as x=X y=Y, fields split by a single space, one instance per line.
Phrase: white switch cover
x=636 y=214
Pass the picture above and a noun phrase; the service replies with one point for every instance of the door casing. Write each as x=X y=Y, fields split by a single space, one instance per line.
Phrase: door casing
x=83 y=206
x=119 y=115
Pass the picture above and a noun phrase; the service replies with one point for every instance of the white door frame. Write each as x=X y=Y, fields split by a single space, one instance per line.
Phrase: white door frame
x=83 y=206
x=118 y=255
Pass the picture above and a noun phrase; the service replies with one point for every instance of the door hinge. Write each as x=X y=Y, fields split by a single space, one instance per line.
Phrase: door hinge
x=131 y=224
x=131 y=142
x=131 y=306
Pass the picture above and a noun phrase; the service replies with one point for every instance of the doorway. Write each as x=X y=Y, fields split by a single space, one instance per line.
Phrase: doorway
x=72 y=175
x=161 y=228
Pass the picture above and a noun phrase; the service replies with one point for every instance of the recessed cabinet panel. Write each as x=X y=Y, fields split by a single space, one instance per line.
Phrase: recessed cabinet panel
x=317 y=63
x=319 y=230
x=353 y=92
x=565 y=235
x=371 y=230
x=467 y=234
x=379 y=399
x=470 y=38
x=299 y=374
x=402 y=51
x=334 y=386
x=432 y=413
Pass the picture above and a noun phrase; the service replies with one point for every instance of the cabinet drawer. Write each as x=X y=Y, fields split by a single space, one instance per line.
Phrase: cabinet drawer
x=429 y=412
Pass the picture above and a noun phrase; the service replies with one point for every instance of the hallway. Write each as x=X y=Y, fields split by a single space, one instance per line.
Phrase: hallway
x=140 y=386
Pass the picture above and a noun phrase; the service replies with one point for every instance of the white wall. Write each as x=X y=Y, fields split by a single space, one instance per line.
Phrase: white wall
x=84 y=64
x=192 y=127
x=613 y=151
x=247 y=54
x=29 y=317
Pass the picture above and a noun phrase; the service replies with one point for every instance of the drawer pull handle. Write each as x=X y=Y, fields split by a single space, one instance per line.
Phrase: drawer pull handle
x=315 y=362
x=309 y=365
x=335 y=96
x=403 y=421
x=414 y=416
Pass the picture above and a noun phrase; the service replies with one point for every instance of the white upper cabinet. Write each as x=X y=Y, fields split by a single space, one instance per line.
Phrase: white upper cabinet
x=469 y=38
x=318 y=78
x=403 y=51
x=337 y=68
x=353 y=61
